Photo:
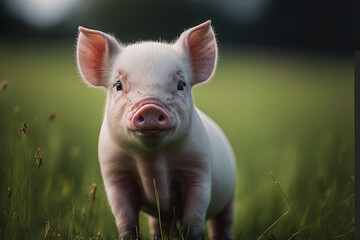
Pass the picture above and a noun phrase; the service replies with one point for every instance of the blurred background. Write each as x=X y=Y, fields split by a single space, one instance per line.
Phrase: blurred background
x=316 y=26
x=283 y=93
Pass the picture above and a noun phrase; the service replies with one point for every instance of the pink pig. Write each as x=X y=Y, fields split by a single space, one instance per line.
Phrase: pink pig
x=152 y=130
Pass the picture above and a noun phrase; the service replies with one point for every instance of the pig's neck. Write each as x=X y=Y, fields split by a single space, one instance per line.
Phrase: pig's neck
x=159 y=165
x=154 y=168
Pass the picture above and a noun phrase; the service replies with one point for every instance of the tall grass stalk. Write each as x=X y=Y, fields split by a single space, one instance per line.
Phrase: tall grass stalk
x=173 y=224
x=181 y=232
x=342 y=236
x=322 y=216
x=137 y=232
x=288 y=202
x=273 y=224
x=158 y=208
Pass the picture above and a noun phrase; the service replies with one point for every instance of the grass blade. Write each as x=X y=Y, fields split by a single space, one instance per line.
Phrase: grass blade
x=328 y=212
x=262 y=235
x=158 y=208
x=288 y=202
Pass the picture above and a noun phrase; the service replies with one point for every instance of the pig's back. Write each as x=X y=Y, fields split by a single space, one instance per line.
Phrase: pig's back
x=223 y=167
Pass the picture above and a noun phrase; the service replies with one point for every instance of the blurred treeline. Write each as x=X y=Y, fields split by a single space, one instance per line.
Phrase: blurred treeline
x=314 y=25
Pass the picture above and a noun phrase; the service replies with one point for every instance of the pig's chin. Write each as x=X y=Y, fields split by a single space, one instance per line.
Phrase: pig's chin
x=152 y=138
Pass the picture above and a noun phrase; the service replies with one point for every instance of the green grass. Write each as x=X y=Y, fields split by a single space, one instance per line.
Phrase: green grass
x=285 y=112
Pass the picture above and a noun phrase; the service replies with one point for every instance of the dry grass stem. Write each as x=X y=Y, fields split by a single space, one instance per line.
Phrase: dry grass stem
x=52 y=116
x=4 y=84
x=9 y=192
x=352 y=178
x=288 y=202
x=349 y=234
x=284 y=214
x=38 y=158
x=23 y=128
x=47 y=228
x=98 y=236
x=93 y=192
x=325 y=214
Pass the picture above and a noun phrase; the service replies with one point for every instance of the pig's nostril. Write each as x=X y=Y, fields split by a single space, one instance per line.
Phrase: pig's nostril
x=141 y=118
x=151 y=116
x=161 y=118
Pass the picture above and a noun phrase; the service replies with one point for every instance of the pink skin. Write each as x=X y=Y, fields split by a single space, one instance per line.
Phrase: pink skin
x=150 y=118
x=152 y=130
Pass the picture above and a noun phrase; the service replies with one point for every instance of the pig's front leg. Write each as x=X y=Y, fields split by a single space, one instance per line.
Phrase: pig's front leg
x=121 y=184
x=125 y=207
x=196 y=199
x=122 y=188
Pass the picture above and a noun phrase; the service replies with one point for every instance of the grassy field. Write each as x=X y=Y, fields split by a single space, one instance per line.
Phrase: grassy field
x=284 y=112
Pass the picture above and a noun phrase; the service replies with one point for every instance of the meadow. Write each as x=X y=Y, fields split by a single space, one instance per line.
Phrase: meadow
x=288 y=114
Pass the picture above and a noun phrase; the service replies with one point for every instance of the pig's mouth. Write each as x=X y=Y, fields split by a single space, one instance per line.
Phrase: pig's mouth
x=150 y=132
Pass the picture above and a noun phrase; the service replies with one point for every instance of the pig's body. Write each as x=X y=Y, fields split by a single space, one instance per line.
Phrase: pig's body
x=176 y=166
x=152 y=131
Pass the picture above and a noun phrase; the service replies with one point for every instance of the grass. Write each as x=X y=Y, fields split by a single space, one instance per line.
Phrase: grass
x=285 y=112
x=288 y=202
x=158 y=208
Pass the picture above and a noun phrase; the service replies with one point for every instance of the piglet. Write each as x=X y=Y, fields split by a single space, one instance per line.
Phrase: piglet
x=153 y=133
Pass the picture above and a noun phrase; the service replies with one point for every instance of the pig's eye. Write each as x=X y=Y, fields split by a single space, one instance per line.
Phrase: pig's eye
x=181 y=85
x=118 y=86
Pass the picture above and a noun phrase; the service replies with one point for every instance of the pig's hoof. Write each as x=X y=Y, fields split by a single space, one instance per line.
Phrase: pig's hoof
x=130 y=238
x=156 y=237
x=220 y=238
x=192 y=236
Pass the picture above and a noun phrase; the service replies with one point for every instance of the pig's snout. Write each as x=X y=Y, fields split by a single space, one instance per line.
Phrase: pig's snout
x=151 y=117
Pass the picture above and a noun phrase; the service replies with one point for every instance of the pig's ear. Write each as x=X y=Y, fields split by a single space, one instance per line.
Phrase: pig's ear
x=95 y=52
x=198 y=44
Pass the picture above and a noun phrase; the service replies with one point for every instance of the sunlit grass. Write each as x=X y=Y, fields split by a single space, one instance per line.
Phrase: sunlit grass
x=283 y=112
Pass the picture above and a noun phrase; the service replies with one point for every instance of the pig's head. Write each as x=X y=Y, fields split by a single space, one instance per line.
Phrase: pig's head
x=149 y=102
